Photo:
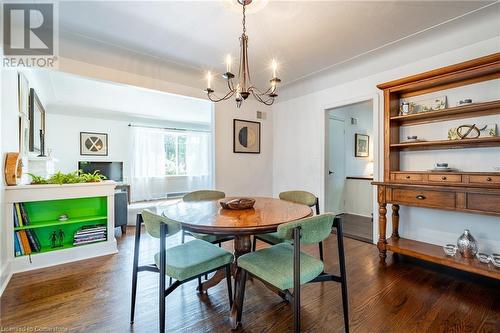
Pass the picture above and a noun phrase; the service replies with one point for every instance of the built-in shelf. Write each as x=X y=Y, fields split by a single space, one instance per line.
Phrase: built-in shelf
x=55 y=223
x=493 y=141
x=435 y=254
x=457 y=112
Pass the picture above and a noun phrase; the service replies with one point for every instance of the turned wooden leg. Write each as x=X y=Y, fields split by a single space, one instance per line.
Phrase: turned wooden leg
x=395 y=221
x=382 y=224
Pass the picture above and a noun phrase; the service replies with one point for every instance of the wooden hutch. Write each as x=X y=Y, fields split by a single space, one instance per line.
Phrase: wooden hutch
x=471 y=192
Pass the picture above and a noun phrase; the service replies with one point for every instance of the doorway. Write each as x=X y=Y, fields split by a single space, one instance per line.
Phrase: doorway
x=349 y=149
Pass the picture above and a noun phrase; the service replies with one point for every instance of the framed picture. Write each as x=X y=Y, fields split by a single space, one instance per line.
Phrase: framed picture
x=361 y=145
x=246 y=136
x=37 y=124
x=94 y=144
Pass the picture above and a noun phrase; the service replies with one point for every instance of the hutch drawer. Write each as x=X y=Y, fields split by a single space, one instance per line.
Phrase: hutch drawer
x=424 y=198
x=408 y=176
x=444 y=178
x=480 y=179
x=483 y=202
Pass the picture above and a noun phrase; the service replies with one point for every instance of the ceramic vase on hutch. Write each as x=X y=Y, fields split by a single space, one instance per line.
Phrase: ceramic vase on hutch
x=467 y=245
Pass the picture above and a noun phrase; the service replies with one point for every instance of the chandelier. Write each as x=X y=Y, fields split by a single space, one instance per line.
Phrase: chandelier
x=243 y=87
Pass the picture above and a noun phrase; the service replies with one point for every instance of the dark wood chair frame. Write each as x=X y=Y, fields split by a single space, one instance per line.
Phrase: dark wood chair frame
x=295 y=297
x=163 y=291
x=320 y=245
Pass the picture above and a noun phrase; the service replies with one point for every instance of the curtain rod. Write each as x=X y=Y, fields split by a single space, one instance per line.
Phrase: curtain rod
x=170 y=128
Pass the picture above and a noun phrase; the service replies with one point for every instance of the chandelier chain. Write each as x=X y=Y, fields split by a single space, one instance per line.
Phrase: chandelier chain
x=244 y=20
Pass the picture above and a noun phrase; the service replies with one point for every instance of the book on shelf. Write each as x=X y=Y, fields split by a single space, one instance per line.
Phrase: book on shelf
x=25 y=244
x=24 y=215
x=16 y=221
x=19 y=242
x=90 y=234
x=33 y=240
x=17 y=246
x=18 y=213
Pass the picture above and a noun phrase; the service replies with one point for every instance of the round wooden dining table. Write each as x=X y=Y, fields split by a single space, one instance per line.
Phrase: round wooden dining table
x=208 y=217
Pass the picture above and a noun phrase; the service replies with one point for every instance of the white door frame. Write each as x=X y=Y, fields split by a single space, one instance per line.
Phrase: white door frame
x=377 y=158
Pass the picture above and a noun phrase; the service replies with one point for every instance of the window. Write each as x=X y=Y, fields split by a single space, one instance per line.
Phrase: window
x=175 y=154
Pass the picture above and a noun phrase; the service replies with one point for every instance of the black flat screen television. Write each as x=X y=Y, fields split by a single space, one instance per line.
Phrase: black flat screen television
x=112 y=170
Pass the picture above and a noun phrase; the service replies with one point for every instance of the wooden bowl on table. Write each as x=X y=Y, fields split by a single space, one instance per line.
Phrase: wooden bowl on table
x=237 y=203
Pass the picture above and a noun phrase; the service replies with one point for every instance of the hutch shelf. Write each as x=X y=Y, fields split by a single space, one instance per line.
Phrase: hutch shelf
x=470 y=192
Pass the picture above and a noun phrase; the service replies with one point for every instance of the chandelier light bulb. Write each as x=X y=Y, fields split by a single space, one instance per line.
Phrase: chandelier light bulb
x=274 y=66
x=229 y=62
x=209 y=80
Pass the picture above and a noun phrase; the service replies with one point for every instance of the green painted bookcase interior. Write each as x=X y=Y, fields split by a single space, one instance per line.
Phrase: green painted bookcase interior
x=43 y=217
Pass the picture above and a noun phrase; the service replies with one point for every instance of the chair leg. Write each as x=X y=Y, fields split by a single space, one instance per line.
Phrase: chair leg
x=170 y=281
x=321 y=251
x=296 y=280
x=206 y=277
x=220 y=244
x=183 y=236
x=254 y=244
x=343 y=278
x=135 y=265
x=199 y=284
x=229 y=286
x=163 y=263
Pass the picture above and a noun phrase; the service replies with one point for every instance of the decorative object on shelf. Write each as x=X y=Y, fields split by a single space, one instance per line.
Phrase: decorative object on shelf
x=246 y=136
x=53 y=240
x=495 y=259
x=450 y=249
x=361 y=145
x=37 y=124
x=473 y=131
x=433 y=104
x=467 y=245
x=62 y=217
x=93 y=144
x=68 y=178
x=238 y=203
x=464 y=102
x=405 y=109
x=483 y=257
x=244 y=87
x=13 y=168
x=60 y=236
x=413 y=138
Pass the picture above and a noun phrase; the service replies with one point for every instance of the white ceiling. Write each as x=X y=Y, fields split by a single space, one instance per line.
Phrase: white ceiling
x=305 y=36
x=74 y=95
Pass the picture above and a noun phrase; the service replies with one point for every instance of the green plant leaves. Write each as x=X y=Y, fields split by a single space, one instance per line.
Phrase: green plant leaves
x=68 y=178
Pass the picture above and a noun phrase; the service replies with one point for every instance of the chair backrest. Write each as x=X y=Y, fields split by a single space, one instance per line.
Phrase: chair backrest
x=202 y=195
x=301 y=197
x=153 y=221
x=312 y=229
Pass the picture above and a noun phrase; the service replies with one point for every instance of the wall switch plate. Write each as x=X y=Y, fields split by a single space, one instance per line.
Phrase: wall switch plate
x=261 y=115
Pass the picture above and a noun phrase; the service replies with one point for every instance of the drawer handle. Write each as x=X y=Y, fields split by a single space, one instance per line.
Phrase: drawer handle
x=443 y=178
x=420 y=197
x=408 y=177
x=489 y=179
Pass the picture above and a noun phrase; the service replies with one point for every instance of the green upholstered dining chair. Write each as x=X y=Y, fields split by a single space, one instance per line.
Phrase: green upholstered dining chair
x=301 y=197
x=284 y=266
x=185 y=262
x=204 y=195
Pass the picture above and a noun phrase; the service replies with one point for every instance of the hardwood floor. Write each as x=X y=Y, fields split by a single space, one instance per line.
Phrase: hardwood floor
x=358 y=227
x=94 y=296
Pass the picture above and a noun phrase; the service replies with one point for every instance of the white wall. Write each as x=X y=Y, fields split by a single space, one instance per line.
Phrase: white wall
x=299 y=128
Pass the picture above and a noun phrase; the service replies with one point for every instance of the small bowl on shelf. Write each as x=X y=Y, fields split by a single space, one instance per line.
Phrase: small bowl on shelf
x=483 y=257
x=450 y=250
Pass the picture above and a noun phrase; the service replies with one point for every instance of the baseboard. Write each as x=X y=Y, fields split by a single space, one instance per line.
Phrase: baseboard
x=5 y=276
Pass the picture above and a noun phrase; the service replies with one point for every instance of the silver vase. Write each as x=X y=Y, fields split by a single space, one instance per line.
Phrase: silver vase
x=467 y=245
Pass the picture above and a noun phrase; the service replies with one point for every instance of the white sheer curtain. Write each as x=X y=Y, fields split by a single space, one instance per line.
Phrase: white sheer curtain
x=149 y=179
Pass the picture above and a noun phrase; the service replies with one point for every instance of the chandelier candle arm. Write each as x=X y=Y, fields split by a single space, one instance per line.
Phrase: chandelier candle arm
x=243 y=86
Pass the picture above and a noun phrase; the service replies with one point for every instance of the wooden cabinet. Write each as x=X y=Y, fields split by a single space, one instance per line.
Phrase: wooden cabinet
x=471 y=192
